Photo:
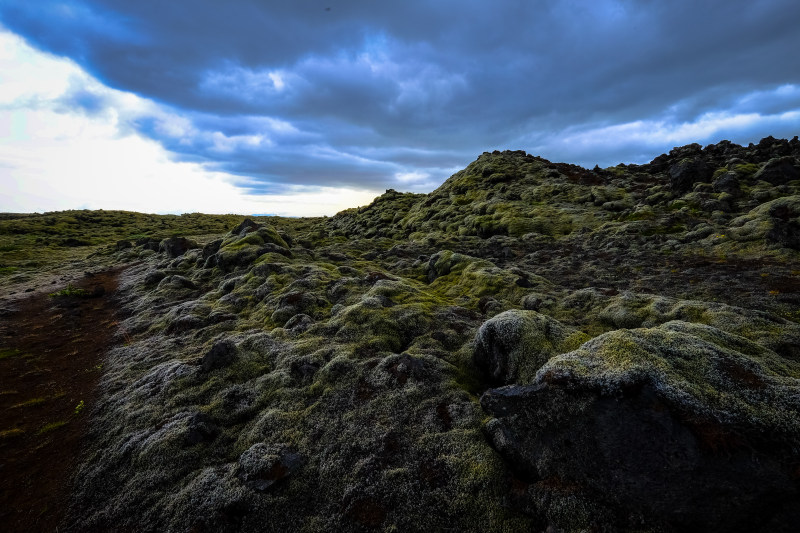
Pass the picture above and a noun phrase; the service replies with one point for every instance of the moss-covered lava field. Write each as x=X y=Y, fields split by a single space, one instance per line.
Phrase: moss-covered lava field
x=533 y=346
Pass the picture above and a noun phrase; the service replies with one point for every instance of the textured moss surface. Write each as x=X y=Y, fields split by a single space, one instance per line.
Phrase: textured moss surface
x=322 y=374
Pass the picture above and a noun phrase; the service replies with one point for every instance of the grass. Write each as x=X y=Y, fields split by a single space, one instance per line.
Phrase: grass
x=10 y=433
x=30 y=242
x=51 y=426
x=30 y=403
x=71 y=291
x=8 y=352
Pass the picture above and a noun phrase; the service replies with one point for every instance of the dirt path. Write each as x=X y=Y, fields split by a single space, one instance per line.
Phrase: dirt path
x=51 y=355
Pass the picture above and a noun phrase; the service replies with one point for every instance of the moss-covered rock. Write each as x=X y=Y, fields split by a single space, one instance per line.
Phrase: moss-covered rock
x=683 y=426
x=512 y=346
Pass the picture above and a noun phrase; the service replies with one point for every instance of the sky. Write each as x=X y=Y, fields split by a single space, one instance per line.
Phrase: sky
x=307 y=107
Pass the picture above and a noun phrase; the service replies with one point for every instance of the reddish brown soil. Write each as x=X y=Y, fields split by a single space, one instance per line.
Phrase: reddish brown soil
x=51 y=355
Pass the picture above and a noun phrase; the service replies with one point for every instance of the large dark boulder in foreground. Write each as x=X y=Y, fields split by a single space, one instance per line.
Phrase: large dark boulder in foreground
x=681 y=427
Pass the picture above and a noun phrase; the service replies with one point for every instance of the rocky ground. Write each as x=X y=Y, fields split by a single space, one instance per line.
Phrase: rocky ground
x=533 y=346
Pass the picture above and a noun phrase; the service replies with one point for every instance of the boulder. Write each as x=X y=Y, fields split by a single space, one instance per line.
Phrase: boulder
x=785 y=218
x=512 y=346
x=245 y=227
x=299 y=323
x=200 y=428
x=177 y=282
x=779 y=171
x=686 y=172
x=211 y=248
x=294 y=303
x=221 y=354
x=154 y=276
x=148 y=243
x=727 y=182
x=176 y=246
x=669 y=425
x=186 y=323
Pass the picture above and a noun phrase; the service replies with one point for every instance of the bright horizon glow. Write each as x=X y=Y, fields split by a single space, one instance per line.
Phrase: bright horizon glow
x=53 y=158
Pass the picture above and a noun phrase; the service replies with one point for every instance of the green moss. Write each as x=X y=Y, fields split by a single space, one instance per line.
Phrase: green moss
x=51 y=427
x=379 y=395
x=30 y=403
x=526 y=339
x=9 y=352
x=696 y=367
x=746 y=170
x=640 y=214
x=719 y=172
x=11 y=433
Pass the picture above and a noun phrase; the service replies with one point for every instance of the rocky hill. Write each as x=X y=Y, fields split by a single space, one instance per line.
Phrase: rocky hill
x=532 y=346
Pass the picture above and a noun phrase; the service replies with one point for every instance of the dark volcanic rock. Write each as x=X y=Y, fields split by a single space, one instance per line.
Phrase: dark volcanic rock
x=245 y=227
x=728 y=182
x=299 y=323
x=176 y=246
x=148 y=243
x=687 y=172
x=785 y=230
x=211 y=248
x=185 y=323
x=178 y=282
x=221 y=354
x=262 y=467
x=632 y=452
x=200 y=428
x=779 y=171
x=154 y=276
x=632 y=435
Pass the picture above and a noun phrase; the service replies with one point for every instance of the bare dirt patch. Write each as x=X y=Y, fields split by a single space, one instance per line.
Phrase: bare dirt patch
x=51 y=357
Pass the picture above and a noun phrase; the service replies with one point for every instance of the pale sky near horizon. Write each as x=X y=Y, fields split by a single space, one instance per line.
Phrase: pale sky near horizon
x=308 y=107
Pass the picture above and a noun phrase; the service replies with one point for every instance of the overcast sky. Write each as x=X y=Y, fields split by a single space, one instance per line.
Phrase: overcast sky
x=307 y=107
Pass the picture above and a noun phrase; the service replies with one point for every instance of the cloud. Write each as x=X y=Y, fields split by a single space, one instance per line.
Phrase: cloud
x=366 y=94
x=607 y=145
x=69 y=142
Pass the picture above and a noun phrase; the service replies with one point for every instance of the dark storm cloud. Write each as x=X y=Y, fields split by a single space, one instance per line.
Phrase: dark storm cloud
x=359 y=93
